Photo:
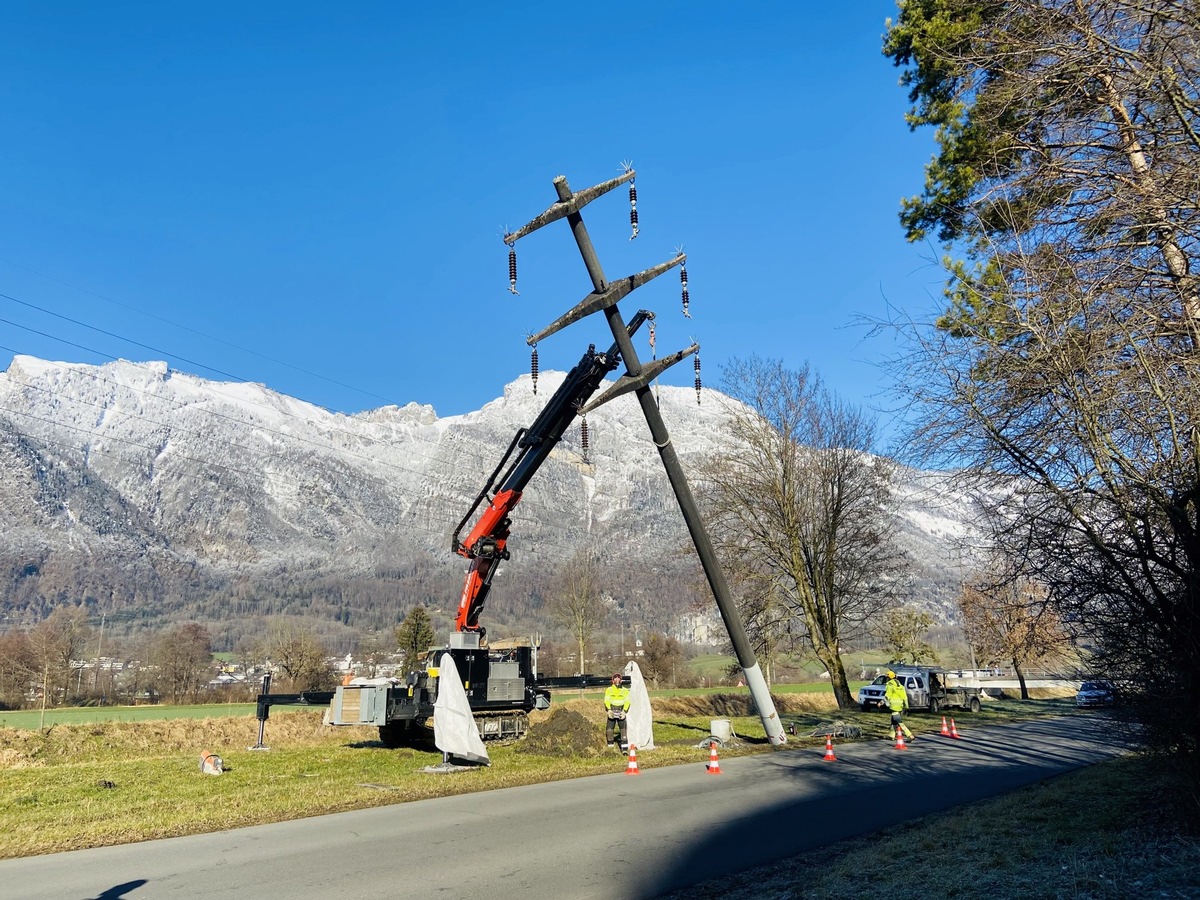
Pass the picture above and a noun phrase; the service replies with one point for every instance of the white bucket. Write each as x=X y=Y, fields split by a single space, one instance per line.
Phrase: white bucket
x=721 y=730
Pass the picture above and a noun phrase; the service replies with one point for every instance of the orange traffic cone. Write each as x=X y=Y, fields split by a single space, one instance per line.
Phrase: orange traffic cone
x=953 y=730
x=714 y=764
x=900 y=745
x=829 y=748
x=632 y=767
x=945 y=728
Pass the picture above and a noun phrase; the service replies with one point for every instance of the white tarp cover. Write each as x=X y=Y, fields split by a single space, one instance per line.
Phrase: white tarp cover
x=454 y=729
x=639 y=722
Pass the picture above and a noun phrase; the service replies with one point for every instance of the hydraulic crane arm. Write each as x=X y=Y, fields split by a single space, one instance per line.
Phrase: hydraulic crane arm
x=486 y=543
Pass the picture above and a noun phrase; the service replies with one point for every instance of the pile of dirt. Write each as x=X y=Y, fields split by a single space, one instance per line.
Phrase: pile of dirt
x=563 y=732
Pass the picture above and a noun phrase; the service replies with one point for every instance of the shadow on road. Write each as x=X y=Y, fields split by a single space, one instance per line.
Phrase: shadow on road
x=874 y=786
x=118 y=891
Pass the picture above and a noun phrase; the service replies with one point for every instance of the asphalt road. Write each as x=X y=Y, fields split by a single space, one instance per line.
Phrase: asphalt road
x=607 y=836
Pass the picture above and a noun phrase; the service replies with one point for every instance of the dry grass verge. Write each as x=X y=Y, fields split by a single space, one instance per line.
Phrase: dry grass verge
x=740 y=705
x=99 y=741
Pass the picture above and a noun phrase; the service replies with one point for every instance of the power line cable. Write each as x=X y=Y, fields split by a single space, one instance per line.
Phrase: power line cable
x=199 y=333
x=121 y=337
x=213 y=386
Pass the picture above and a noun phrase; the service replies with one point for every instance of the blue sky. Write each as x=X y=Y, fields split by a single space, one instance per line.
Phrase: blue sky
x=311 y=195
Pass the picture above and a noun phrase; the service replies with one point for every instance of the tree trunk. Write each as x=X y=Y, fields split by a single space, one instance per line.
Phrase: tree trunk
x=1021 y=680
x=837 y=678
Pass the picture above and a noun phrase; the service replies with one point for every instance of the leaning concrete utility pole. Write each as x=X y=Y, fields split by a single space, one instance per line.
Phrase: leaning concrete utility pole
x=638 y=378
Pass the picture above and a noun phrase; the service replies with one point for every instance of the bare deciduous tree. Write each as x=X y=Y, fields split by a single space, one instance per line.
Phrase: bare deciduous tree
x=182 y=657
x=1007 y=618
x=293 y=647
x=663 y=660
x=799 y=510
x=56 y=641
x=18 y=668
x=575 y=600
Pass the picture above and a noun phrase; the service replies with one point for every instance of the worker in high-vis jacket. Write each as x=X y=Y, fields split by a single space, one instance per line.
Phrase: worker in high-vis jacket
x=616 y=705
x=896 y=698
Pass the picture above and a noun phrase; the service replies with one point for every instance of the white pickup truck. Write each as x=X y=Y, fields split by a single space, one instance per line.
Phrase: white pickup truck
x=926 y=688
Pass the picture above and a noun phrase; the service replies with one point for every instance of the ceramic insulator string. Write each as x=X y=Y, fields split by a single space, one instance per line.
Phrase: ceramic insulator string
x=633 y=215
x=512 y=269
x=583 y=436
x=696 y=366
x=533 y=367
x=684 y=288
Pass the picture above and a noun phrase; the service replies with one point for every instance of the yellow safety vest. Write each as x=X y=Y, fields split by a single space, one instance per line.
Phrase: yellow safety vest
x=896 y=695
x=616 y=696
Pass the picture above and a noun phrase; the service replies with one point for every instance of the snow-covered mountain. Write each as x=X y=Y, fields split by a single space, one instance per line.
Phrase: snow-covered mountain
x=152 y=495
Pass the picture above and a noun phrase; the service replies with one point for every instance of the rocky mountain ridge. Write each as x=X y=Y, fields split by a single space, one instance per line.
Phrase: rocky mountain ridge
x=150 y=495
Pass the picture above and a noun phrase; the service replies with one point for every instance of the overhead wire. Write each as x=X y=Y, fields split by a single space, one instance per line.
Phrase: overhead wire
x=213 y=386
x=199 y=333
x=120 y=337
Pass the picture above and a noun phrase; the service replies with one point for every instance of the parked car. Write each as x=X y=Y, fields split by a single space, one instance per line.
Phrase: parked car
x=926 y=687
x=1096 y=693
x=871 y=696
